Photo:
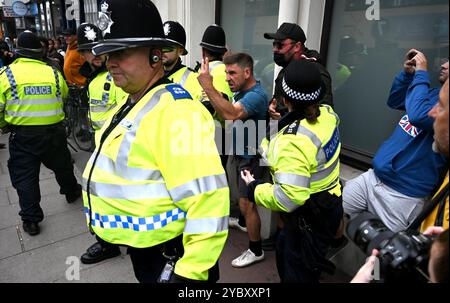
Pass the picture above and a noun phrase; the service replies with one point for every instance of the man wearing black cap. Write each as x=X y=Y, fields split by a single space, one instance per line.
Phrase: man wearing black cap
x=304 y=163
x=31 y=105
x=154 y=183
x=73 y=60
x=289 y=45
x=173 y=66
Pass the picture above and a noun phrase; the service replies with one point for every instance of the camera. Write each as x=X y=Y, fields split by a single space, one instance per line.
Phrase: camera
x=412 y=55
x=403 y=255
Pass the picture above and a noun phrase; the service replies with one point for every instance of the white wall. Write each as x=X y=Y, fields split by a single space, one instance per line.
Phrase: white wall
x=195 y=16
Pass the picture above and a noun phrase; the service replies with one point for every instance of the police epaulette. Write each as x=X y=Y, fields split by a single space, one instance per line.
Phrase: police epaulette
x=178 y=92
x=292 y=128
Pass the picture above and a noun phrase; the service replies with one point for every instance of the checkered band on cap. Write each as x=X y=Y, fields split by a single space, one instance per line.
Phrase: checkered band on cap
x=301 y=96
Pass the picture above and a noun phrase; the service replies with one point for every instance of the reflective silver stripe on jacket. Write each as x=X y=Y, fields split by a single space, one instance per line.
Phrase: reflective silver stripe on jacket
x=303 y=181
x=98 y=124
x=126 y=172
x=34 y=101
x=185 y=76
x=206 y=225
x=284 y=199
x=128 y=192
x=102 y=109
x=198 y=186
x=292 y=179
x=35 y=114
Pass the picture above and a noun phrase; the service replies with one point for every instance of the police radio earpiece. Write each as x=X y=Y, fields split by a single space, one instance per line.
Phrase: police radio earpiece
x=155 y=59
x=155 y=56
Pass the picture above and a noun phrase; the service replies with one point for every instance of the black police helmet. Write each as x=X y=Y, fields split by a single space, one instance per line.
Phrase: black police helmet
x=175 y=33
x=302 y=83
x=214 y=39
x=28 y=45
x=88 y=35
x=129 y=24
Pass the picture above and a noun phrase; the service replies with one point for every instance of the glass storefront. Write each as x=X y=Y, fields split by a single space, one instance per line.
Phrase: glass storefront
x=365 y=55
x=245 y=22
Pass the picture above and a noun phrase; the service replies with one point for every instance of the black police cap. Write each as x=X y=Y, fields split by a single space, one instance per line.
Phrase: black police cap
x=175 y=33
x=129 y=24
x=302 y=82
x=288 y=31
x=88 y=35
x=214 y=39
x=28 y=45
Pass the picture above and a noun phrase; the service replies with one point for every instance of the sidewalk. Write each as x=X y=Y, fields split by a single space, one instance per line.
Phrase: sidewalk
x=46 y=257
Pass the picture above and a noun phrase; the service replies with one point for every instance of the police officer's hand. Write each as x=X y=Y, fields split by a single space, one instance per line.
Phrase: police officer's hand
x=5 y=130
x=274 y=115
x=204 y=78
x=247 y=177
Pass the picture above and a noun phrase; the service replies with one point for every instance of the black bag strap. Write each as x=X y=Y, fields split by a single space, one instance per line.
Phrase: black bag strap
x=429 y=207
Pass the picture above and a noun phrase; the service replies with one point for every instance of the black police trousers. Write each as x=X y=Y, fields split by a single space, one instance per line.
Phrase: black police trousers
x=148 y=263
x=29 y=147
x=306 y=238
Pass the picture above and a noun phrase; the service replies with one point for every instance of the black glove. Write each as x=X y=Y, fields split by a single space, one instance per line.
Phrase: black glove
x=251 y=189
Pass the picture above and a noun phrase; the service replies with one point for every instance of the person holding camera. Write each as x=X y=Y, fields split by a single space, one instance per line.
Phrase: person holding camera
x=406 y=171
x=439 y=253
x=304 y=163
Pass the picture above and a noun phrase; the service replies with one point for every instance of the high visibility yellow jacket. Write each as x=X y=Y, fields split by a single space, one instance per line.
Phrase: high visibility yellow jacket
x=217 y=71
x=440 y=213
x=31 y=93
x=104 y=99
x=304 y=160
x=187 y=78
x=157 y=175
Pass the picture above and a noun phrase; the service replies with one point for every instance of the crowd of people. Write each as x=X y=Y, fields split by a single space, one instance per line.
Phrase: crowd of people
x=164 y=168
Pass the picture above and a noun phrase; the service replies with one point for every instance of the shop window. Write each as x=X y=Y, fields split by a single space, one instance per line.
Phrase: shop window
x=245 y=22
x=366 y=52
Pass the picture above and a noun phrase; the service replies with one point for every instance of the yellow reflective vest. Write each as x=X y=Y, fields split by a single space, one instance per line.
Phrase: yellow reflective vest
x=157 y=175
x=304 y=160
x=187 y=78
x=440 y=213
x=31 y=93
x=217 y=71
x=104 y=99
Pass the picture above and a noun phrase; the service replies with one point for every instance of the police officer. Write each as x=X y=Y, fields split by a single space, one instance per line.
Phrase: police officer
x=304 y=162
x=31 y=104
x=173 y=66
x=213 y=49
x=103 y=95
x=154 y=183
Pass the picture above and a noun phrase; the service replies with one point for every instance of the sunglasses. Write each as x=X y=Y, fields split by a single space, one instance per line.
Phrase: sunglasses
x=281 y=45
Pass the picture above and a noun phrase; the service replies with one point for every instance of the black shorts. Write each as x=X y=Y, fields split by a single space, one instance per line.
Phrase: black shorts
x=252 y=164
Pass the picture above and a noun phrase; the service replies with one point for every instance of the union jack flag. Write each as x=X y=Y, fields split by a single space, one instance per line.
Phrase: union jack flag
x=408 y=127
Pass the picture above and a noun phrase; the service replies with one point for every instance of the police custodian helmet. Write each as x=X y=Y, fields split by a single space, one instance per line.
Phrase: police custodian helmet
x=214 y=39
x=175 y=33
x=88 y=35
x=129 y=24
x=28 y=45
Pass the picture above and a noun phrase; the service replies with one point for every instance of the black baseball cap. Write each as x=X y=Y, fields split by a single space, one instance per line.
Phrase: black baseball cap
x=288 y=31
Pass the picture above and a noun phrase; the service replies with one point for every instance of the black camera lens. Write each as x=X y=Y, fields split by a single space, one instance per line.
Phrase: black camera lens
x=368 y=232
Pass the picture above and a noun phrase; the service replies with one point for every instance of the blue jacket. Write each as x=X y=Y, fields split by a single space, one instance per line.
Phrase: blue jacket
x=406 y=161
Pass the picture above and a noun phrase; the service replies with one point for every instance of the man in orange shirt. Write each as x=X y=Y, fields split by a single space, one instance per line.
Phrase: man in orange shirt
x=73 y=60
